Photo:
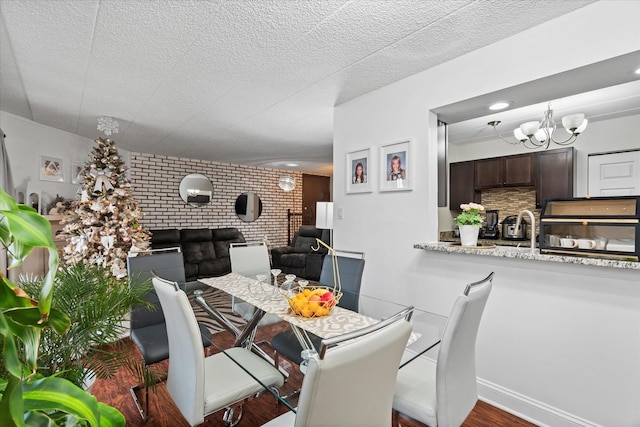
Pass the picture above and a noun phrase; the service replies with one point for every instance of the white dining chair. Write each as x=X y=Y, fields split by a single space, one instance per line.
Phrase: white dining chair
x=249 y=260
x=350 y=382
x=200 y=385
x=443 y=392
x=147 y=323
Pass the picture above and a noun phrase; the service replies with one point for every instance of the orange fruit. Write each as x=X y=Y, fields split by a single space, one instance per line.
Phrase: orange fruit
x=322 y=311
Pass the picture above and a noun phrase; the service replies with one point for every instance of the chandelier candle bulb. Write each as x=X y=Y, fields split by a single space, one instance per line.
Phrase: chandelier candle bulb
x=572 y=122
x=530 y=128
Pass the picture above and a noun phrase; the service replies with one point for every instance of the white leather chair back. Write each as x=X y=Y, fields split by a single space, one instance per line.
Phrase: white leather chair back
x=185 y=381
x=456 y=383
x=353 y=385
x=250 y=260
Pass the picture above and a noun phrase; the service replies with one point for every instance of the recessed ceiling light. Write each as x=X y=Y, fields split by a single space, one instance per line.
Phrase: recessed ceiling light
x=637 y=71
x=292 y=165
x=500 y=105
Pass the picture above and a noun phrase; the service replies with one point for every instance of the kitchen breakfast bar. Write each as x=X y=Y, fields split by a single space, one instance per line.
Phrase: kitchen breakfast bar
x=559 y=329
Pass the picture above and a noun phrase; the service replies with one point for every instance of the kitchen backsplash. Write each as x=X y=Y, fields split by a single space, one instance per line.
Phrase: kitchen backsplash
x=510 y=201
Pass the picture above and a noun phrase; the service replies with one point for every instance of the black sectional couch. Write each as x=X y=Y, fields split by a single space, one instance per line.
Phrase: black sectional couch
x=205 y=250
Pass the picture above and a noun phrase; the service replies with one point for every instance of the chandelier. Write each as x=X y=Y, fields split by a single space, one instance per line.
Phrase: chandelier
x=538 y=134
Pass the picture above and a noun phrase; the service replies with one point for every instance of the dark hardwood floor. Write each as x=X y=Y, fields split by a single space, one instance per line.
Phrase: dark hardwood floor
x=163 y=412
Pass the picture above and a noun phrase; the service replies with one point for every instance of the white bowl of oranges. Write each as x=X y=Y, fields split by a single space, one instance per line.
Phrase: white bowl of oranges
x=312 y=301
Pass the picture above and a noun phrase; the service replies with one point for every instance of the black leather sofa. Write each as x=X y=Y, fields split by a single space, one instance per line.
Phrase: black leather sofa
x=205 y=251
x=299 y=258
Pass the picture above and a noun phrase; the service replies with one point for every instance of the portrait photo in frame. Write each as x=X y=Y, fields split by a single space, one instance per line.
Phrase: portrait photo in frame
x=51 y=169
x=77 y=173
x=359 y=171
x=396 y=166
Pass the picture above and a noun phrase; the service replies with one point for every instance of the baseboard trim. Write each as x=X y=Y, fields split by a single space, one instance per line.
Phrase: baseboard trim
x=528 y=409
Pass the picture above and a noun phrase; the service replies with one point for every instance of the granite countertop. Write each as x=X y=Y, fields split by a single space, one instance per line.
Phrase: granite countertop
x=492 y=242
x=526 y=254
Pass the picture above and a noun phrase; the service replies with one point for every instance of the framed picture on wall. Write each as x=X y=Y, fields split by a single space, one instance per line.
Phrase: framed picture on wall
x=51 y=169
x=359 y=171
x=77 y=174
x=396 y=166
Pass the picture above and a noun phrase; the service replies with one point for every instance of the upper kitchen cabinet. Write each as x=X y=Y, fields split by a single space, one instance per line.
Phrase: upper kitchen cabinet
x=555 y=174
x=508 y=171
x=489 y=173
x=461 y=174
x=550 y=171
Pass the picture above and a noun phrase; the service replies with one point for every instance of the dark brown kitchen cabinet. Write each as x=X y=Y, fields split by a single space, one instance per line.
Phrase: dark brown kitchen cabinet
x=461 y=185
x=555 y=174
x=508 y=171
x=488 y=173
x=550 y=171
x=519 y=170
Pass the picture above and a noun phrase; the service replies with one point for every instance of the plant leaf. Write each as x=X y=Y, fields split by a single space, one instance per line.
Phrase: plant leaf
x=38 y=419
x=7 y=203
x=29 y=227
x=11 y=407
x=9 y=349
x=46 y=294
x=110 y=417
x=57 y=394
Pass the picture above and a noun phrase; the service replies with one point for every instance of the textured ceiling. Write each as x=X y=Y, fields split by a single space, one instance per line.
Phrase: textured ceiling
x=249 y=82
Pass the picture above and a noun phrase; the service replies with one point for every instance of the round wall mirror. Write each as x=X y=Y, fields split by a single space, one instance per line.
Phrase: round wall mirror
x=248 y=207
x=196 y=190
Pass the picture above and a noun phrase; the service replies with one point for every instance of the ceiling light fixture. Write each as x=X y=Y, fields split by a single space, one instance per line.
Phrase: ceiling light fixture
x=537 y=134
x=500 y=105
x=287 y=183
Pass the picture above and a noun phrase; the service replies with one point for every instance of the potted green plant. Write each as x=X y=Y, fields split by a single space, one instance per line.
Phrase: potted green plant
x=97 y=304
x=469 y=222
x=26 y=396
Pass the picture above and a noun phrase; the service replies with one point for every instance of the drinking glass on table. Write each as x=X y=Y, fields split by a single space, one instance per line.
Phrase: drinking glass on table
x=275 y=272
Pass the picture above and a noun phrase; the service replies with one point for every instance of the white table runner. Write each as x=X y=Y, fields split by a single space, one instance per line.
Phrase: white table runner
x=339 y=322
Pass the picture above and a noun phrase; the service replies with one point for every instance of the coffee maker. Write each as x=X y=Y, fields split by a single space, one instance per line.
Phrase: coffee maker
x=491 y=229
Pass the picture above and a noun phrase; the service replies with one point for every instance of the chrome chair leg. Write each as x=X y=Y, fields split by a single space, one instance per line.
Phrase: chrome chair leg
x=229 y=413
x=143 y=412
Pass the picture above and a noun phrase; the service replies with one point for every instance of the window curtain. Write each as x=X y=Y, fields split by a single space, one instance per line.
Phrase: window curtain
x=6 y=179
x=6 y=183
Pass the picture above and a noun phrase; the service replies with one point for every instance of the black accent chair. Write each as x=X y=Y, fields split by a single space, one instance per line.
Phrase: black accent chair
x=285 y=343
x=299 y=258
x=148 y=329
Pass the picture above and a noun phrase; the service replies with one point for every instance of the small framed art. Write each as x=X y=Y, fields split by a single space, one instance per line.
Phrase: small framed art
x=359 y=171
x=77 y=174
x=51 y=169
x=396 y=166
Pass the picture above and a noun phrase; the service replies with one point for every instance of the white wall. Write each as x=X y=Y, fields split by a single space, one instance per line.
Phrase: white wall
x=27 y=140
x=386 y=225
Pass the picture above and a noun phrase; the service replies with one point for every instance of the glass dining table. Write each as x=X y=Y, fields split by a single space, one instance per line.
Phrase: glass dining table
x=266 y=298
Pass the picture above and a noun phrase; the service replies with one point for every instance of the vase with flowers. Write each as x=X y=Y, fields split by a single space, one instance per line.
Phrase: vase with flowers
x=469 y=222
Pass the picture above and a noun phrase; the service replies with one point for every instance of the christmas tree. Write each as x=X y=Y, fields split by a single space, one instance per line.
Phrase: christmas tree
x=102 y=226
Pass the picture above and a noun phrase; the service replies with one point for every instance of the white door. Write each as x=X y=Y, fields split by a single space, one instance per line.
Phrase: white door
x=614 y=174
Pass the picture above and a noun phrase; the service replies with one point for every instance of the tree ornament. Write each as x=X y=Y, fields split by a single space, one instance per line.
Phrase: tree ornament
x=102 y=179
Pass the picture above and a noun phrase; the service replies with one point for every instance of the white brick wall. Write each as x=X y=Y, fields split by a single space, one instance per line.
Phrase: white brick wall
x=156 y=179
